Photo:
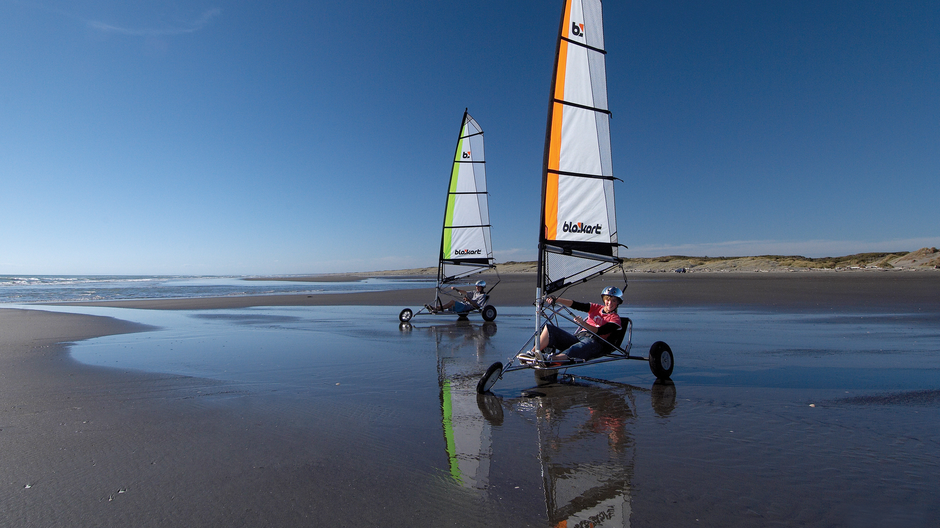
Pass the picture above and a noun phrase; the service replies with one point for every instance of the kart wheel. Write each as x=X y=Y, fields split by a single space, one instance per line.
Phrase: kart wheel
x=489 y=313
x=661 y=360
x=490 y=378
x=405 y=315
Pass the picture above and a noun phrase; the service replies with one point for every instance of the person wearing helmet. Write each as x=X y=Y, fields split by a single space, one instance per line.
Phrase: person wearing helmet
x=471 y=300
x=602 y=320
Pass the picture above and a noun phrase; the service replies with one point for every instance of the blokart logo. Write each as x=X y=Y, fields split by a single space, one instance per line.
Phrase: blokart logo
x=468 y=252
x=577 y=29
x=571 y=227
x=466 y=155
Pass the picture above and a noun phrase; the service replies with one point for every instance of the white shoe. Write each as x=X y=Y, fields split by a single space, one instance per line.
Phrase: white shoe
x=529 y=356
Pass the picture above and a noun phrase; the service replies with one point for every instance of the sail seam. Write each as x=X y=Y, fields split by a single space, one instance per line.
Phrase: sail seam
x=583 y=45
x=581 y=106
x=582 y=175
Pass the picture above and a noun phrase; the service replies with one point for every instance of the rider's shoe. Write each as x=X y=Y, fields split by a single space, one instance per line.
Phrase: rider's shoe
x=529 y=356
x=430 y=309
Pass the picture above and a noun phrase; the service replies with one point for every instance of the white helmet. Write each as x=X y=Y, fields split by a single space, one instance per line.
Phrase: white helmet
x=613 y=291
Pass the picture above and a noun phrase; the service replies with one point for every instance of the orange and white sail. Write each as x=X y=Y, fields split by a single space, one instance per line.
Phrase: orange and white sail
x=578 y=238
x=466 y=247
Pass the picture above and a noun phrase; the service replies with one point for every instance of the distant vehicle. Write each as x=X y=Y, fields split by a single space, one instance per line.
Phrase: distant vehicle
x=679 y=270
x=466 y=247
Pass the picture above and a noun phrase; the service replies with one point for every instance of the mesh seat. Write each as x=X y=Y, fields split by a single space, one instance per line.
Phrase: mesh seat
x=616 y=337
x=486 y=299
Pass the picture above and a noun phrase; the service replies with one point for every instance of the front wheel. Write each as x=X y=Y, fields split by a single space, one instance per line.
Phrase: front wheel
x=490 y=378
x=661 y=360
x=489 y=313
x=405 y=315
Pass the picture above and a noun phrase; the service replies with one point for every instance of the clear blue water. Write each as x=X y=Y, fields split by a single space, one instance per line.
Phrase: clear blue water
x=64 y=288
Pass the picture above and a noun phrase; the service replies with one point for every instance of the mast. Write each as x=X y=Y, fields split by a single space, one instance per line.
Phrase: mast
x=578 y=225
x=466 y=245
x=540 y=283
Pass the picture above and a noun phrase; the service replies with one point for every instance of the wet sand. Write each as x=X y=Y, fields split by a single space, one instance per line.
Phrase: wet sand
x=96 y=446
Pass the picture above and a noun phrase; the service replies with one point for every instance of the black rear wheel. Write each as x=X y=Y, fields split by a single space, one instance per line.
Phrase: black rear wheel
x=405 y=315
x=490 y=378
x=489 y=313
x=661 y=360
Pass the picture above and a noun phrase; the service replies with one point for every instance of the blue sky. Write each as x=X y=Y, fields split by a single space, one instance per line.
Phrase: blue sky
x=228 y=137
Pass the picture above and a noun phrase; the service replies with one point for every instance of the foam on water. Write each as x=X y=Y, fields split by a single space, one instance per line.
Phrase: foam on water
x=66 y=288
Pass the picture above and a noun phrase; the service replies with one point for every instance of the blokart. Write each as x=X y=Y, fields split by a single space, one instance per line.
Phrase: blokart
x=660 y=358
x=466 y=247
x=486 y=310
x=578 y=232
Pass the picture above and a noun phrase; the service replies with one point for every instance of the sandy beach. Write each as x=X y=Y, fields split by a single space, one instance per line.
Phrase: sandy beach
x=95 y=446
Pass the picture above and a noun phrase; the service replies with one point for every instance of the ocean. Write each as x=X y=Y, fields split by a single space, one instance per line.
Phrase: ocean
x=25 y=289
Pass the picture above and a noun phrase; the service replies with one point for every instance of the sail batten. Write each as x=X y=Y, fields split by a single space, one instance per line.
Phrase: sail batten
x=466 y=246
x=578 y=232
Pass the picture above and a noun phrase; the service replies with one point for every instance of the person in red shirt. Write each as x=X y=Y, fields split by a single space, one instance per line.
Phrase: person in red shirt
x=602 y=320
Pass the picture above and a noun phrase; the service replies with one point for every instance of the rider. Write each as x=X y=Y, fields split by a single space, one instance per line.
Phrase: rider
x=602 y=321
x=472 y=300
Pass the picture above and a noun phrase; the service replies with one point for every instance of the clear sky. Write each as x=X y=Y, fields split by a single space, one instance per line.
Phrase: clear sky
x=253 y=137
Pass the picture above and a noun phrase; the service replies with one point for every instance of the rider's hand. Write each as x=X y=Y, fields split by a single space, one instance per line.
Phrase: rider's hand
x=550 y=300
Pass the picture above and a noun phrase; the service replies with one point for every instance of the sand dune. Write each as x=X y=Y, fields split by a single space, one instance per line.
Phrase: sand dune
x=922 y=259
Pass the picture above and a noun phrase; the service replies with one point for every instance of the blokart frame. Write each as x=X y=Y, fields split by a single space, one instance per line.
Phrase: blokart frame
x=487 y=311
x=660 y=358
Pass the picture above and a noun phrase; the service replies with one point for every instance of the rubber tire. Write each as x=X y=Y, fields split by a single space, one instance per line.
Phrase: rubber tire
x=490 y=378
x=405 y=315
x=489 y=313
x=661 y=360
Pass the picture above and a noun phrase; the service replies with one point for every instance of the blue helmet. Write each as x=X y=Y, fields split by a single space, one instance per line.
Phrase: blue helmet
x=613 y=291
x=481 y=283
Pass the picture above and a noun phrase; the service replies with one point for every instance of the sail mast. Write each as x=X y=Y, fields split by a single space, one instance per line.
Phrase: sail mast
x=540 y=284
x=466 y=245
x=441 y=255
x=578 y=226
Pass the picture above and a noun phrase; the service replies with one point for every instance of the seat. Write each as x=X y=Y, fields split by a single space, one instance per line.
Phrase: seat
x=486 y=299
x=616 y=337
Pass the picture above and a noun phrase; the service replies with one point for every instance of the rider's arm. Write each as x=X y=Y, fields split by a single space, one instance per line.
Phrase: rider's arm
x=577 y=305
x=466 y=297
x=580 y=306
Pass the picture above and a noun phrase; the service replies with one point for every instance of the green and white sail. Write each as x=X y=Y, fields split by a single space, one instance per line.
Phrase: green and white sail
x=578 y=230
x=466 y=247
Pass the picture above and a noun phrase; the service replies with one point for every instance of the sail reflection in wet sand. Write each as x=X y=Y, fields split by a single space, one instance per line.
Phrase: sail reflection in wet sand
x=585 y=447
